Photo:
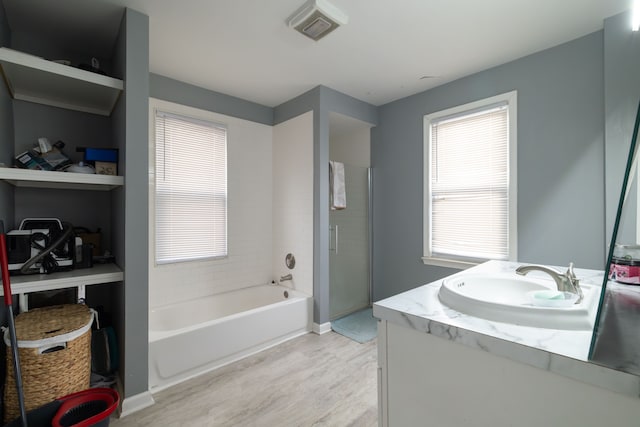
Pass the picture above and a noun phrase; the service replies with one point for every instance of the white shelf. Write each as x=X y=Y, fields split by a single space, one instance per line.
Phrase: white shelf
x=31 y=78
x=99 y=273
x=60 y=180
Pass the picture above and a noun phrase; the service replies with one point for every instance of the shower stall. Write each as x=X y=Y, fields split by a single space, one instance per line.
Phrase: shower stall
x=350 y=233
x=349 y=246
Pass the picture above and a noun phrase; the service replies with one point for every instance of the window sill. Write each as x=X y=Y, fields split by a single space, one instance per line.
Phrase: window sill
x=449 y=263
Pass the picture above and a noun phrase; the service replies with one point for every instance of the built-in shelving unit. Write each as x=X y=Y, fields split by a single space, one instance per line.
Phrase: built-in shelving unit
x=34 y=79
x=60 y=180
x=84 y=109
x=100 y=273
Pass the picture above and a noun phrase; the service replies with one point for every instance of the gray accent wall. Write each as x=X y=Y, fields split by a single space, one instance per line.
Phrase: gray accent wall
x=183 y=93
x=136 y=225
x=6 y=133
x=560 y=163
x=131 y=133
x=622 y=94
x=323 y=100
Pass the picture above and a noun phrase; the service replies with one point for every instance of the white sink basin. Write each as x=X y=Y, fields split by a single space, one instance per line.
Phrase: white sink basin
x=519 y=300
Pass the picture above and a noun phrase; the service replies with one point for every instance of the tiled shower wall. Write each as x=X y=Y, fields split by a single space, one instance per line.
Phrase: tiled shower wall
x=293 y=200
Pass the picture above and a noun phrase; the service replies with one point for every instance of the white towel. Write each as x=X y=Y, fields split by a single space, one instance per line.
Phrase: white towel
x=337 y=195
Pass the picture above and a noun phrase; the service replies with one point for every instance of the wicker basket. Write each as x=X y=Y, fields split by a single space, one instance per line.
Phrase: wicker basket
x=54 y=346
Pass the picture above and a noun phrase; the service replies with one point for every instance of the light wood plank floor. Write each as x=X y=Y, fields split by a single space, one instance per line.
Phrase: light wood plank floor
x=313 y=380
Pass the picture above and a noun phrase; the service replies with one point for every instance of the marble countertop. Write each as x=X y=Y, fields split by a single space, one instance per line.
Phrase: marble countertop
x=564 y=352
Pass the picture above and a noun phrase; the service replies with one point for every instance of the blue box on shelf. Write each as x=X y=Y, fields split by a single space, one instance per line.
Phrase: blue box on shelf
x=105 y=160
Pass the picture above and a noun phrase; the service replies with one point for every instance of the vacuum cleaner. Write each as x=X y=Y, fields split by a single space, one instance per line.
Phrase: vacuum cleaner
x=91 y=407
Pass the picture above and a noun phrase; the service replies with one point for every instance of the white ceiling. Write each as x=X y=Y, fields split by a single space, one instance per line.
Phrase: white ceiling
x=243 y=47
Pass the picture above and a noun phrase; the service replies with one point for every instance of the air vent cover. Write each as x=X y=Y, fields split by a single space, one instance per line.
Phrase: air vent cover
x=317 y=18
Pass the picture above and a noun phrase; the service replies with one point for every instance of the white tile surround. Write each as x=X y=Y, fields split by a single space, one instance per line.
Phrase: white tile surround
x=257 y=164
x=560 y=352
x=293 y=200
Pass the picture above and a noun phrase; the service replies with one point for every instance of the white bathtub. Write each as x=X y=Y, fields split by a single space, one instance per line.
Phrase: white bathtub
x=190 y=338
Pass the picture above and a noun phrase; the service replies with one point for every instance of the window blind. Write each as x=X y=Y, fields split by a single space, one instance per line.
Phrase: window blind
x=190 y=188
x=470 y=185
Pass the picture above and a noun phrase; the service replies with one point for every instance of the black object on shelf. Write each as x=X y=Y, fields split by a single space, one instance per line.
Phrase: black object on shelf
x=94 y=67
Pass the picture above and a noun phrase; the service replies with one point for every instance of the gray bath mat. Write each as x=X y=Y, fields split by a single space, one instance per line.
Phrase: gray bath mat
x=360 y=326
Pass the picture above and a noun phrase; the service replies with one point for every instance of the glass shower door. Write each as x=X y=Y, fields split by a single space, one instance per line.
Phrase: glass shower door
x=349 y=274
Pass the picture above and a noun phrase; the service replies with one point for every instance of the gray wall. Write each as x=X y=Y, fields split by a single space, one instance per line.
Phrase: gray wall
x=182 y=93
x=560 y=163
x=6 y=133
x=622 y=89
x=6 y=151
x=130 y=133
x=134 y=227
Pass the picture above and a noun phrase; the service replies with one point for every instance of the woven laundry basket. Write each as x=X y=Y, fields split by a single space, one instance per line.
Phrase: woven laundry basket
x=54 y=346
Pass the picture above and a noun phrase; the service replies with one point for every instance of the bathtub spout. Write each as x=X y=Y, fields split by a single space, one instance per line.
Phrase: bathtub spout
x=287 y=277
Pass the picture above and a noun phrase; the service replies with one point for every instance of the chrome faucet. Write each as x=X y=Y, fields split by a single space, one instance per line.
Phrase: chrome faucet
x=566 y=282
x=287 y=277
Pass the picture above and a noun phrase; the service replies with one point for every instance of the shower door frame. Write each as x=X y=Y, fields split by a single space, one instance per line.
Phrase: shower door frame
x=369 y=256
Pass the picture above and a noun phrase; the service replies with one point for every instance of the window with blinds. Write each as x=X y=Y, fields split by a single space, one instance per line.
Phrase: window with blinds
x=190 y=189
x=470 y=173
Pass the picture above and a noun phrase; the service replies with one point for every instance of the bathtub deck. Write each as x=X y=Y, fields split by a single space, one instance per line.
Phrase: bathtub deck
x=326 y=380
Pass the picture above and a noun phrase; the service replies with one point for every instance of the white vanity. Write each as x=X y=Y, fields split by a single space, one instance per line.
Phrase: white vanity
x=440 y=367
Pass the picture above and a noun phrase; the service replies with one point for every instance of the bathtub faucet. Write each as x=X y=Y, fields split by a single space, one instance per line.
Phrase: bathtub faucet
x=287 y=277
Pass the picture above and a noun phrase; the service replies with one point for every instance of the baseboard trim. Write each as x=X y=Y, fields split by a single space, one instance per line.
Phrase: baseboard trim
x=321 y=329
x=136 y=403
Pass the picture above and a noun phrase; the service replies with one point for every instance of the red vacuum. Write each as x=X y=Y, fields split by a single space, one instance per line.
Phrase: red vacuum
x=8 y=302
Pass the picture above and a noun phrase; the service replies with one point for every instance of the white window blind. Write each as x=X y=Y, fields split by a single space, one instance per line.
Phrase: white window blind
x=190 y=188
x=469 y=185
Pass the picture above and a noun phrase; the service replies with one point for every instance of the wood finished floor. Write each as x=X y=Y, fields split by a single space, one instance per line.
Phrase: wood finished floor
x=312 y=380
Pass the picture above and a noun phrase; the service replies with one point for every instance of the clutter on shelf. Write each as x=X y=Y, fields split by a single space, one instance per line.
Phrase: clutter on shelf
x=51 y=157
x=43 y=156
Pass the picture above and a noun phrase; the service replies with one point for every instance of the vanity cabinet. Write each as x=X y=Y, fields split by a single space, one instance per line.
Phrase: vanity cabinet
x=427 y=380
x=441 y=367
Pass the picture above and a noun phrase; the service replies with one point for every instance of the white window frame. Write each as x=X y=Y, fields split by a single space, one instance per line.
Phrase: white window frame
x=197 y=115
x=461 y=262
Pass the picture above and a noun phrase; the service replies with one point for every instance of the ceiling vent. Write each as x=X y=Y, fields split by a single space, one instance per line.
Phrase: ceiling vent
x=317 y=18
